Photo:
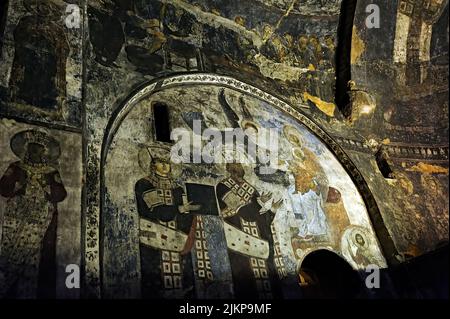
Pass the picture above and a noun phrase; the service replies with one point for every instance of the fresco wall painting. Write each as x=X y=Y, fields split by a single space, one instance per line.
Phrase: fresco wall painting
x=224 y=230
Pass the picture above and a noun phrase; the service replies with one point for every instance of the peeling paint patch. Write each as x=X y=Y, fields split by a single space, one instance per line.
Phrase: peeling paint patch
x=428 y=169
x=7 y=123
x=214 y=20
x=326 y=107
x=358 y=46
x=288 y=11
x=278 y=71
x=363 y=104
x=403 y=182
x=401 y=38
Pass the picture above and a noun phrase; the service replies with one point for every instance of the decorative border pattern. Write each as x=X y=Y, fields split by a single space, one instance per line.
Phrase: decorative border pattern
x=354 y=145
x=229 y=82
x=417 y=152
x=399 y=151
x=157 y=85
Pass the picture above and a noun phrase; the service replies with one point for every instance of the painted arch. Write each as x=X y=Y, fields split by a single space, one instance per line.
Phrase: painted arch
x=313 y=201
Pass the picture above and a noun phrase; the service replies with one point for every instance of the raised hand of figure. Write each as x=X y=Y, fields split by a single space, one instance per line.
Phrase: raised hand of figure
x=20 y=182
x=188 y=207
x=276 y=205
x=265 y=197
x=264 y=202
x=194 y=208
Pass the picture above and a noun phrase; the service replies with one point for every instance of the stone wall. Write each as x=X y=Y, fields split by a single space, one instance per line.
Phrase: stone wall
x=73 y=83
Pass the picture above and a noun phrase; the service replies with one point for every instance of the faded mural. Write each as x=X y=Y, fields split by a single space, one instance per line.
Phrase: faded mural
x=153 y=228
x=40 y=197
x=224 y=230
x=40 y=77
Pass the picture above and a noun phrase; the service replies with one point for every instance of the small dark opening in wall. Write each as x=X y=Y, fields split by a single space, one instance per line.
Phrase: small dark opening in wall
x=3 y=15
x=343 y=56
x=383 y=164
x=161 y=122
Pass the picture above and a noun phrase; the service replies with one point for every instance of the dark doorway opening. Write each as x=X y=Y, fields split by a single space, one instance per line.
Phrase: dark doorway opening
x=161 y=122
x=325 y=275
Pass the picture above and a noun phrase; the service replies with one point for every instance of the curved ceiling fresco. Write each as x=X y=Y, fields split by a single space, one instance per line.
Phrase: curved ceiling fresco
x=359 y=111
x=249 y=234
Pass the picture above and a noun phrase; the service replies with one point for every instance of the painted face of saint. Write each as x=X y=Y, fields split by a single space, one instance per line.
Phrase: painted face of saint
x=162 y=168
x=303 y=42
x=251 y=131
x=36 y=153
x=360 y=240
x=236 y=170
x=298 y=155
x=293 y=139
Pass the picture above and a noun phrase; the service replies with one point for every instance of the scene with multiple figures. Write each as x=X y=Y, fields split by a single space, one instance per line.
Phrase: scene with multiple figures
x=177 y=150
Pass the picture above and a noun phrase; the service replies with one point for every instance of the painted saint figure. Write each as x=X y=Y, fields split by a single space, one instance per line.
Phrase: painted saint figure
x=248 y=232
x=166 y=231
x=308 y=212
x=38 y=75
x=358 y=246
x=308 y=189
x=33 y=187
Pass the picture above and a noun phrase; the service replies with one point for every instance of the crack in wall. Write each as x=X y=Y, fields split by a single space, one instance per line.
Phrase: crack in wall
x=288 y=11
x=216 y=21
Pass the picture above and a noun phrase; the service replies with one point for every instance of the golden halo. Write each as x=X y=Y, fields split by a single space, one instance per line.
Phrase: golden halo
x=361 y=232
x=355 y=241
x=245 y=124
x=19 y=143
x=298 y=154
x=293 y=135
